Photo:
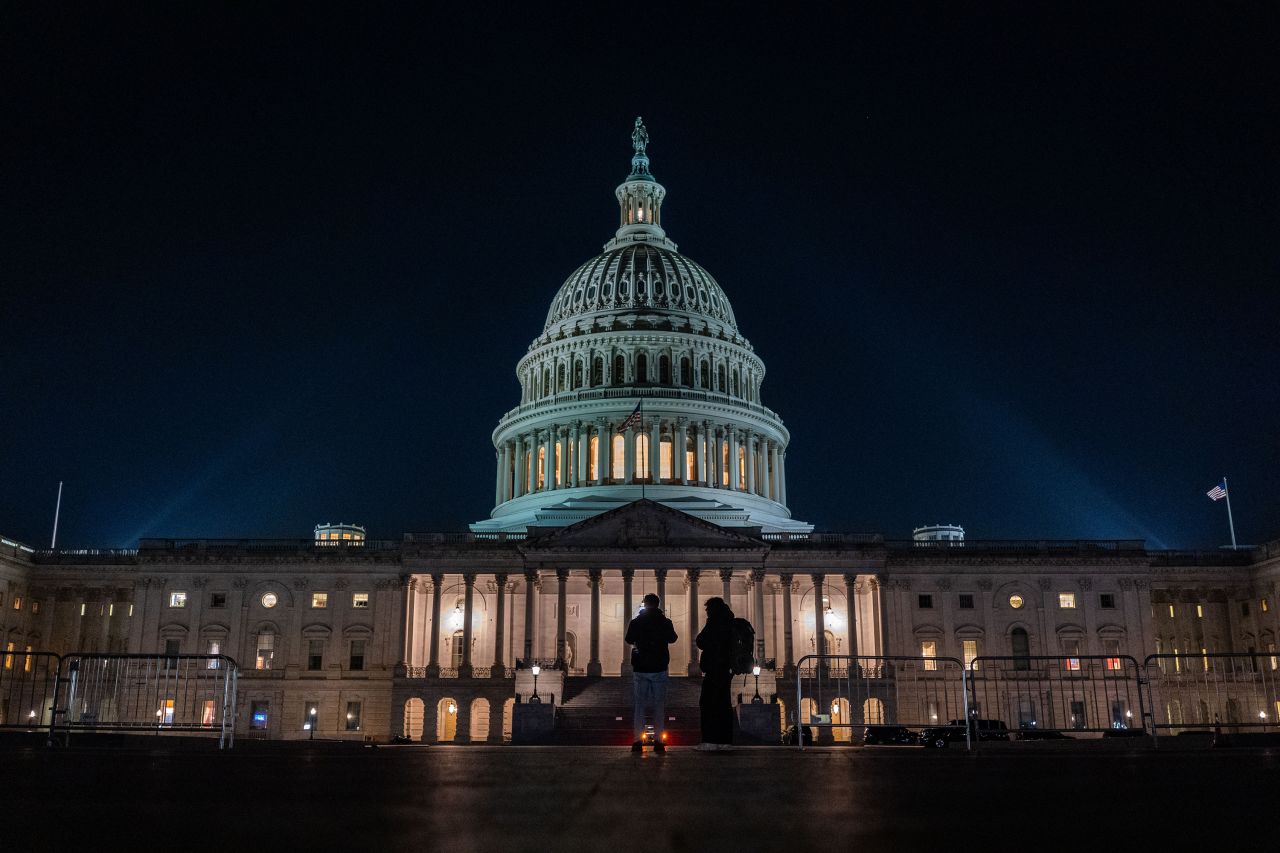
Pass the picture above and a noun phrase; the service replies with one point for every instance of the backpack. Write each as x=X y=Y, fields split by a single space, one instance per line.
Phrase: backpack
x=742 y=647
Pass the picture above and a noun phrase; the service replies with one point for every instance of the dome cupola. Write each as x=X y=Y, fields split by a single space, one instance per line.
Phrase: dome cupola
x=640 y=385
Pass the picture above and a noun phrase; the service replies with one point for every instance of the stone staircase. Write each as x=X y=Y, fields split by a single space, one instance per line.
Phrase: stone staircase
x=598 y=710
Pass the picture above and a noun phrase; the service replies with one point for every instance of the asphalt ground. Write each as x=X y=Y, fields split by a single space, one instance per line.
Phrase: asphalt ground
x=606 y=799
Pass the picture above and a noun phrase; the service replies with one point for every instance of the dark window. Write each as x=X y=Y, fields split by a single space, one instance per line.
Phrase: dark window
x=664 y=370
x=597 y=372
x=966 y=601
x=356 y=664
x=686 y=372
x=1107 y=601
x=218 y=600
x=619 y=370
x=642 y=369
x=1021 y=648
x=926 y=602
x=171 y=650
x=315 y=654
x=1244 y=608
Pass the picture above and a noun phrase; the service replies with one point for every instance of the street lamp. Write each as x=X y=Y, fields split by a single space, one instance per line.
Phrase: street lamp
x=756 y=700
x=535 y=698
x=312 y=724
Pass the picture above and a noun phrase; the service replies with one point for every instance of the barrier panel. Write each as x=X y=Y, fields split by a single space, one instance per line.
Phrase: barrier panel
x=160 y=693
x=1220 y=691
x=840 y=695
x=27 y=684
x=1045 y=697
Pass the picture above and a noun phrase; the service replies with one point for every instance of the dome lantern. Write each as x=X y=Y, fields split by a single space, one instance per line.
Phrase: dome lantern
x=640 y=198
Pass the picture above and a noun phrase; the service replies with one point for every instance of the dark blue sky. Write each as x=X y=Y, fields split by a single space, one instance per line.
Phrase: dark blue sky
x=1011 y=269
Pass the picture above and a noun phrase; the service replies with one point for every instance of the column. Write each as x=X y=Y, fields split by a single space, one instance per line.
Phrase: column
x=757 y=590
x=788 y=657
x=530 y=609
x=751 y=463
x=497 y=480
x=604 y=445
x=782 y=478
x=468 y=598
x=655 y=450
x=726 y=578
x=584 y=448
x=549 y=459
x=774 y=478
x=713 y=456
x=406 y=636
x=692 y=576
x=851 y=604
x=562 y=590
x=519 y=479
x=628 y=610
x=679 y=438
x=699 y=453
x=593 y=664
x=819 y=616
x=564 y=458
x=433 y=662
x=629 y=455
x=734 y=481
x=660 y=575
x=499 y=669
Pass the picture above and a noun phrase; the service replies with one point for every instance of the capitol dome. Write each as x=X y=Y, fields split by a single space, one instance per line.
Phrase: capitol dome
x=640 y=385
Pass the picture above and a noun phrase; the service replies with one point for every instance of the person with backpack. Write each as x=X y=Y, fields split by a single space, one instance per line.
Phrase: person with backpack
x=650 y=634
x=716 y=639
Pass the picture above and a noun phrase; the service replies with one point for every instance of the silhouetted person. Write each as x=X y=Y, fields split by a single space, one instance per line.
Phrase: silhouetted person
x=716 y=641
x=650 y=634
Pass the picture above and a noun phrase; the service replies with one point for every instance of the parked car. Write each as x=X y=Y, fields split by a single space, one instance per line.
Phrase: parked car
x=937 y=737
x=889 y=736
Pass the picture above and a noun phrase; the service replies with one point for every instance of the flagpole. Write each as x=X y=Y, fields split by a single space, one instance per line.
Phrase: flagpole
x=56 y=510
x=640 y=408
x=1230 y=521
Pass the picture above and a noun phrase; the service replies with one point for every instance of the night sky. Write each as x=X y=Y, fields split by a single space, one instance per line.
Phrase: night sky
x=1011 y=269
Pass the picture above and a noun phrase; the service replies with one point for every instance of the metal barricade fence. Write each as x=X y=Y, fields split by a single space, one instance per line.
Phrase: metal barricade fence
x=1041 y=696
x=27 y=684
x=1218 y=691
x=839 y=695
x=160 y=693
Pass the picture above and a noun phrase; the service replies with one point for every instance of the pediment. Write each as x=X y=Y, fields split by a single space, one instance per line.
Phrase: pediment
x=643 y=524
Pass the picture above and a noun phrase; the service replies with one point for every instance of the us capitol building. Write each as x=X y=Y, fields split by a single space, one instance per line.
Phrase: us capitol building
x=641 y=457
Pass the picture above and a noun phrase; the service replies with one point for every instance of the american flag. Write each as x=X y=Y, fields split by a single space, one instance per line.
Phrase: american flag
x=1219 y=491
x=632 y=420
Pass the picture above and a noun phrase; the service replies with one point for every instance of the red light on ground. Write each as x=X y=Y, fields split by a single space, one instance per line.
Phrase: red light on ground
x=664 y=737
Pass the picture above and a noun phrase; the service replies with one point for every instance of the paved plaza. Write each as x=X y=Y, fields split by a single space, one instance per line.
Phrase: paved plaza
x=600 y=798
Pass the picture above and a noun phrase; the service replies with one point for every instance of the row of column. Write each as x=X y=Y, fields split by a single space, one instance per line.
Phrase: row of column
x=723 y=456
x=546 y=380
x=595 y=577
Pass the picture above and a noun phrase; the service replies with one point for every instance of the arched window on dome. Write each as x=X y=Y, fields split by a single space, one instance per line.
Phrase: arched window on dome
x=736 y=384
x=642 y=369
x=597 y=372
x=619 y=370
x=720 y=383
x=742 y=474
x=686 y=372
x=665 y=465
x=618 y=457
x=560 y=383
x=541 y=467
x=577 y=374
x=705 y=375
x=593 y=456
x=546 y=382
x=691 y=458
x=664 y=370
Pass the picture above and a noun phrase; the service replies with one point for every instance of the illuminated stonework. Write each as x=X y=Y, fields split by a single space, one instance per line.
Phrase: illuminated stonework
x=640 y=384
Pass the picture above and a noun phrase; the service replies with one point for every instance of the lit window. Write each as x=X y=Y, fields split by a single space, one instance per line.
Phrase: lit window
x=258 y=712
x=966 y=601
x=130 y=609
x=1275 y=662
x=310 y=714
x=213 y=647
x=1015 y=601
x=82 y=608
x=360 y=600
x=1112 y=650
x=970 y=650
x=177 y=599
x=319 y=600
x=356 y=661
x=353 y=716
x=1266 y=606
x=209 y=713
x=929 y=651
x=111 y=610
x=1170 y=611
x=8 y=656
x=1204 y=656
x=26 y=663
x=17 y=602
x=266 y=649
x=1071 y=651
x=270 y=600
x=167 y=712
x=1067 y=600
